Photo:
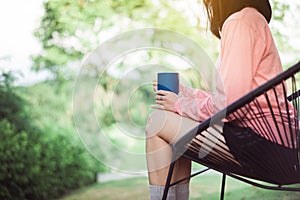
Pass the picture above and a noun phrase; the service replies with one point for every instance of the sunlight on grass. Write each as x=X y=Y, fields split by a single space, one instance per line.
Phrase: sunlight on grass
x=206 y=187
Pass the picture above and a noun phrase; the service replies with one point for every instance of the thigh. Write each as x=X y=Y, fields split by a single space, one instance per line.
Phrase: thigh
x=169 y=125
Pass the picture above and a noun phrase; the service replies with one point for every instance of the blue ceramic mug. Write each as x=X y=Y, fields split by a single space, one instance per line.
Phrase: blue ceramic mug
x=168 y=81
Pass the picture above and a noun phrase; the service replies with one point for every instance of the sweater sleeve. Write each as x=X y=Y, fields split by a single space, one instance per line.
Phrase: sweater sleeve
x=193 y=93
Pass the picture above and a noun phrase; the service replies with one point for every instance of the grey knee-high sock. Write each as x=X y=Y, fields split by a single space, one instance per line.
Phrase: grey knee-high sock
x=182 y=191
x=157 y=191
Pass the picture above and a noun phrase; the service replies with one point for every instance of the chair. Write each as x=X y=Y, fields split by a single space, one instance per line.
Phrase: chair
x=252 y=120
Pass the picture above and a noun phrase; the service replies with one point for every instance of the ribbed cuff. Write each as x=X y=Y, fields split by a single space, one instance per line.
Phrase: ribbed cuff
x=177 y=107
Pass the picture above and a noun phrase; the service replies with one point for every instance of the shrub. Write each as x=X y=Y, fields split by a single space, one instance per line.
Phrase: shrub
x=42 y=170
x=35 y=164
x=18 y=161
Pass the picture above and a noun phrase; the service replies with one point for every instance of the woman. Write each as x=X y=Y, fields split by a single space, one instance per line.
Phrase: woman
x=248 y=58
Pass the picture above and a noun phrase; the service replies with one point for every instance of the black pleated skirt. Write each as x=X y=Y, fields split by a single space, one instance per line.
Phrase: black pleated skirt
x=260 y=158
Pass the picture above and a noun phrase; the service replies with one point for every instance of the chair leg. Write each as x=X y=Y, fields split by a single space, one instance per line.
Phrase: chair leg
x=168 y=182
x=223 y=187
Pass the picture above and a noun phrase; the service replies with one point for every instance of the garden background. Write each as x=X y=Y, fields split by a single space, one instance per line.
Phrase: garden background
x=41 y=154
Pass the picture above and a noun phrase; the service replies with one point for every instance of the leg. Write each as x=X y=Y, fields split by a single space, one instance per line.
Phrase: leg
x=162 y=129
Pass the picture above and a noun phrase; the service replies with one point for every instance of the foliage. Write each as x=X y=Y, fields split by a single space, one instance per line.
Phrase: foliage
x=37 y=163
x=18 y=162
x=39 y=169
x=285 y=18
x=71 y=29
x=11 y=104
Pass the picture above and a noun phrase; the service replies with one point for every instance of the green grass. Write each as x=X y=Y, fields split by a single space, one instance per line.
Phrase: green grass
x=206 y=187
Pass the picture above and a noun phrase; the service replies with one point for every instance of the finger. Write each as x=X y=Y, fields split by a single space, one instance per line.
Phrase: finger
x=160 y=102
x=159 y=97
x=159 y=107
x=163 y=92
x=154 y=83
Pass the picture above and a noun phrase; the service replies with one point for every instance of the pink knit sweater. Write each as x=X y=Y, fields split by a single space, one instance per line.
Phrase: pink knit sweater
x=248 y=58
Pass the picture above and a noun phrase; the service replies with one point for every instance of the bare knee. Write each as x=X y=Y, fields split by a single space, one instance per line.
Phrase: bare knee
x=155 y=123
x=164 y=124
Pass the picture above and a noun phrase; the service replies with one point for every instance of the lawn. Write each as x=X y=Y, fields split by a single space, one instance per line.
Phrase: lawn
x=204 y=187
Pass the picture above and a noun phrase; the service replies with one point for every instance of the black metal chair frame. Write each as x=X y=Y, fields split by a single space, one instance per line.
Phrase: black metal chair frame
x=179 y=148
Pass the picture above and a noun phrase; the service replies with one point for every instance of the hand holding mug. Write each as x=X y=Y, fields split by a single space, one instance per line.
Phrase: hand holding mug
x=166 y=88
x=166 y=99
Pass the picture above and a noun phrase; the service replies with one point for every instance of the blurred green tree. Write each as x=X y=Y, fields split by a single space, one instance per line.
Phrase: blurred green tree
x=36 y=162
x=71 y=29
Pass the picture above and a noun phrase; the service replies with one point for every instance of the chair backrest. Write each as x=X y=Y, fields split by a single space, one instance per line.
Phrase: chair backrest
x=263 y=134
x=268 y=114
x=273 y=113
